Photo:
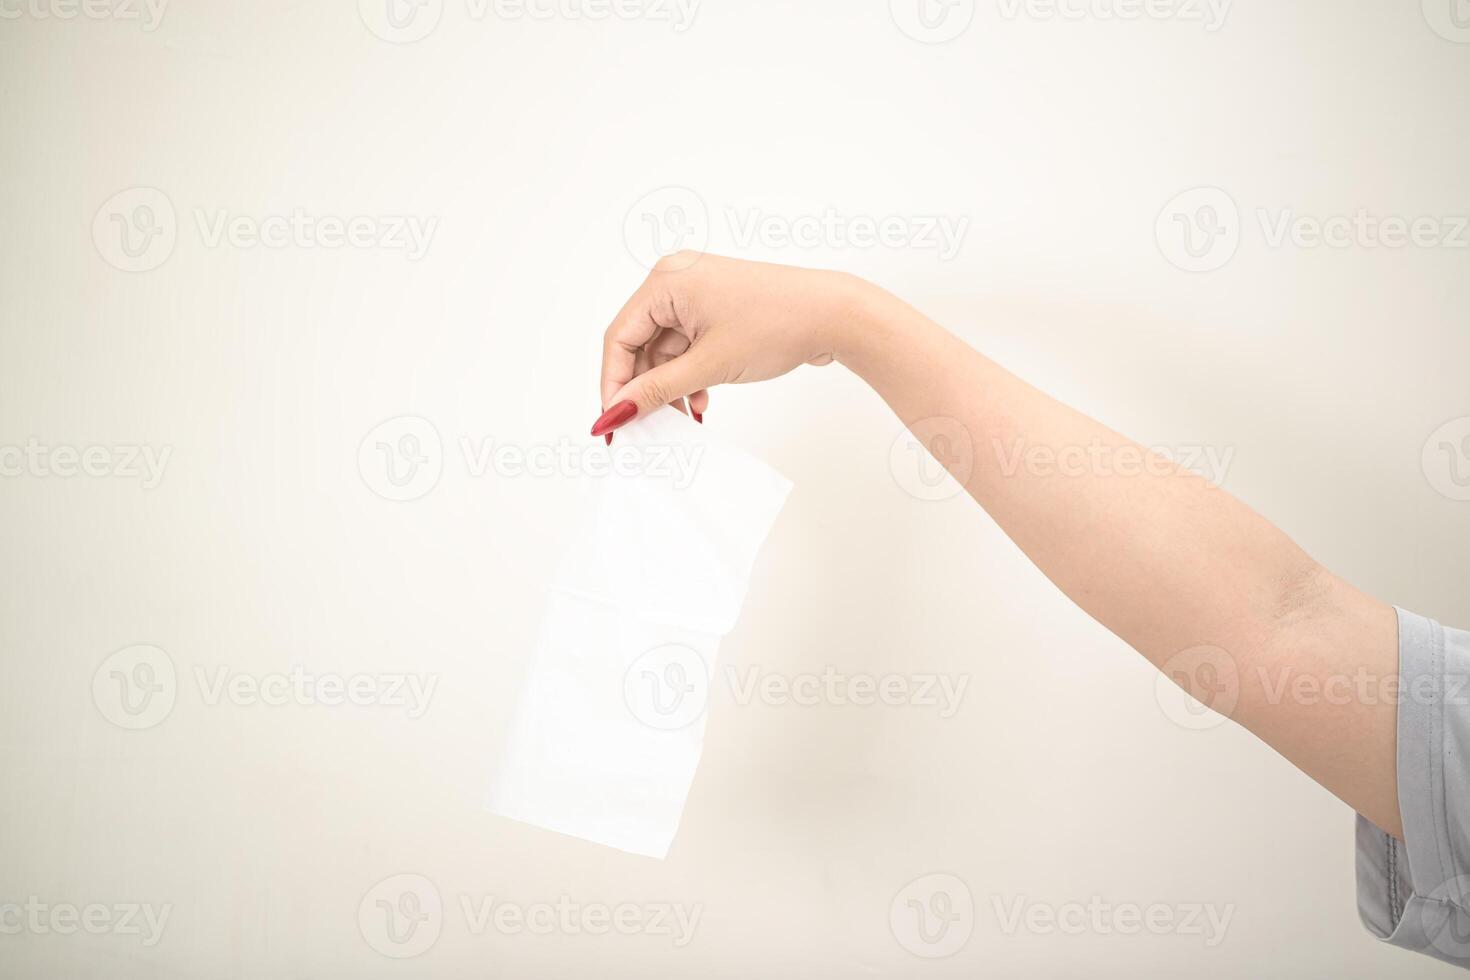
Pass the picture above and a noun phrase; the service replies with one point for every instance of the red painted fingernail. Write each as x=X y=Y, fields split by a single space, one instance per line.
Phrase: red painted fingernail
x=608 y=437
x=620 y=414
x=697 y=416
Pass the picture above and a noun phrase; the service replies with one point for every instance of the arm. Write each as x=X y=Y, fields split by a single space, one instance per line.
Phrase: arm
x=1160 y=557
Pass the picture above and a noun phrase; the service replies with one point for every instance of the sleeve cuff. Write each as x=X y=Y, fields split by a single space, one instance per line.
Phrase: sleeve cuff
x=1411 y=893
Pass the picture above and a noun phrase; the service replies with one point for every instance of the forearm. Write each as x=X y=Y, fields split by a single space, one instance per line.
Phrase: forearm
x=1156 y=554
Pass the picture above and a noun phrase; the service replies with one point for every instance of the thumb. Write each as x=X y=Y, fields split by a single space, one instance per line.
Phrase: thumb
x=656 y=387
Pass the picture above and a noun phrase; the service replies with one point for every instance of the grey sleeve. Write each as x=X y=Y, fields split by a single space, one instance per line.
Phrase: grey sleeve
x=1415 y=893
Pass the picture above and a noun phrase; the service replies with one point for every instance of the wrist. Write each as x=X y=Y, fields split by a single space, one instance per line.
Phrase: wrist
x=868 y=325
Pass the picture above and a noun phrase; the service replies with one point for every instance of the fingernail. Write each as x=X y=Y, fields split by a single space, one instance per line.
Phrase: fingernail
x=608 y=437
x=698 y=417
x=620 y=414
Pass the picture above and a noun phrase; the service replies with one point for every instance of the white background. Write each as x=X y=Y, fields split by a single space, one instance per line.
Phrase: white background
x=262 y=369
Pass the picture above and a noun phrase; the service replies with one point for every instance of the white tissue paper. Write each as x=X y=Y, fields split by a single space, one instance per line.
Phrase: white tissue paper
x=610 y=724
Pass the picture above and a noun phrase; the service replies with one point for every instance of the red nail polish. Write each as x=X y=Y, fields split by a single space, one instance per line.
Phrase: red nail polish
x=608 y=437
x=697 y=416
x=620 y=414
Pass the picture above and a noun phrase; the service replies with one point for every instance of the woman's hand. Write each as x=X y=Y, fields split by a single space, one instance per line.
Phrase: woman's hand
x=703 y=320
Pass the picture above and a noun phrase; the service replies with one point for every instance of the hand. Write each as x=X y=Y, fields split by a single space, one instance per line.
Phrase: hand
x=703 y=320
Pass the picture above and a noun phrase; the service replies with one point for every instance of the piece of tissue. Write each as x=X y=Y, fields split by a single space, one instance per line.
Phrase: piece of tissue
x=610 y=722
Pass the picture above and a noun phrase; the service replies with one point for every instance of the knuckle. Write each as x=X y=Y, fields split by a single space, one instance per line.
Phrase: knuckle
x=677 y=261
x=612 y=341
x=655 y=392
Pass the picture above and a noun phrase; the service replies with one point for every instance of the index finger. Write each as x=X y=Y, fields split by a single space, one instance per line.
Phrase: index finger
x=637 y=323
